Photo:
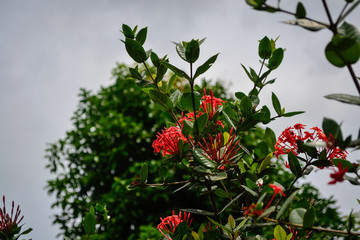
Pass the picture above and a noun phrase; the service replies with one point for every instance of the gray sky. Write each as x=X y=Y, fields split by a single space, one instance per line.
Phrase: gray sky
x=49 y=49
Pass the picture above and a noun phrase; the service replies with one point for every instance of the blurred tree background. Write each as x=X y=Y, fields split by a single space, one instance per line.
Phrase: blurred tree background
x=100 y=157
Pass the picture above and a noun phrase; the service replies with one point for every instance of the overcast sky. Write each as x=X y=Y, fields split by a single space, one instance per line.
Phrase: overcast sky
x=50 y=49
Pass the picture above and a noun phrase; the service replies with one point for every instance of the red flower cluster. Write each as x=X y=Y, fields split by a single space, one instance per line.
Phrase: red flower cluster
x=168 y=141
x=170 y=223
x=210 y=104
x=8 y=223
x=287 y=141
x=215 y=150
x=338 y=176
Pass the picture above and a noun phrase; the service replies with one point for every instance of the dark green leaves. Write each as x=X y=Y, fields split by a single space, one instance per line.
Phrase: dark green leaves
x=203 y=68
x=309 y=218
x=201 y=159
x=89 y=221
x=300 y=11
x=127 y=31
x=144 y=171
x=294 y=165
x=192 y=51
x=135 y=50
x=342 y=50
x=162 y=99
x=276 y=59
x=345 y=98
x=265 y=48
x=276 y=104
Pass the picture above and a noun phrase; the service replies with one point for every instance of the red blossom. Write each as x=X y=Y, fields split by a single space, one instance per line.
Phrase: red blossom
x=338 y=176
x=219 y=151
x=210 y=104
x=168 y=141
x=170 y=223
x=253 y=211
x=287 y=141
x=8 y=223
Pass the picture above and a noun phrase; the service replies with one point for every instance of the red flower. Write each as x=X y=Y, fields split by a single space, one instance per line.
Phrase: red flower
x=9 y=223
x=338 y=176
x=170 y=223
x=215 y=150
x=168 y=141
x=210 y=104
x=253 y=211
x=277 y=189
x=287 y=141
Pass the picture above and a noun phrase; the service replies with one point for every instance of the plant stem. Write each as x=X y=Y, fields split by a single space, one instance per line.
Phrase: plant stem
x=213 y=203
x=313 y=228
x=193 y=104
x=332 y=26
x=353 y=76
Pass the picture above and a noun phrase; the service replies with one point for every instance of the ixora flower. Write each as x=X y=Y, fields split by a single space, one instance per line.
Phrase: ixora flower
x=338 y=176
x=210 y=104
x=287 y=141
x=170 y=223
x=220 y=150
x=9 y=223
x=167 y=141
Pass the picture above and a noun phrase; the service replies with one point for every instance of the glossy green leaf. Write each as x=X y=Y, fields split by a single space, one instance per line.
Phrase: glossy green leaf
x=155 y=59
x=249 y=190
x=251 y=121
x=342 y=50
x=192 y=51
x=127 y=31
x=171 y=83
x=175 y=97
x=176 y=70
x=89 y=223
x=198 y=212
x=202 y=121
x=265 y=49
x=187 y=104
x=135 y=74
x=135 y=50
x=270 y=138
x=279 y=233
x=141 y=36
x=276 y=104
x=231 y=202
x=231 y=222
x=286 y=205
x=203 y=68
x=309 y=218
x=345 y=98
x=161 y=99
x=276 y=59
x=228 y=120
x=331 y=128
x=294 y=165
x=265 y=162
x=290 y=114
x=267 y=115
x=349 y=30
x=297 y=216
x=144 y=171
x=246 y=107
x=300 y=11
x=201 y=159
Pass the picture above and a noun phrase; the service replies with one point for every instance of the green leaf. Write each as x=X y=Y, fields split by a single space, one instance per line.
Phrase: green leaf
x=186 y=101
x=345 y=98
x=135 y=74
x=141 y=36
x=276 y=104
x=344 y=164
x=265 y=162
x=201 y=159
x=155 y=59
x=198 y=212
x=144 y=171
x=300 y=11
x=251 y=121
x=231 y=222
x=163 y=173
x=203 y=68
x=89 y=223
x=175 y=97
x=135 y=50
x=202 y=121
x=231 y=202
x=331 y=128
x=250 y=191
x=248 y=74
x=286 y=205
x=307 y=24
x=297 y=216
x=267 y=115
x=290 y=114
x=279 y=233
x=309 y=218
x=276 y=59
x=342 y=50
x=176 y=70
x=246 y=106
x=265 y=49
x=294 y=165
x=221 y=226
x=228 y=120
x=171 y=83
x=161 y=98
x=192 y=51
x=127 y=31
x=349 y=30
x=270 y=138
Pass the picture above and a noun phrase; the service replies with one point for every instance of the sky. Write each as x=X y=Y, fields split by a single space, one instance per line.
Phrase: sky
x=51 y=49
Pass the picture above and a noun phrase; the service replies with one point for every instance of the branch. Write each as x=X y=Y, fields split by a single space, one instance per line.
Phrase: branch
x=313 y=228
